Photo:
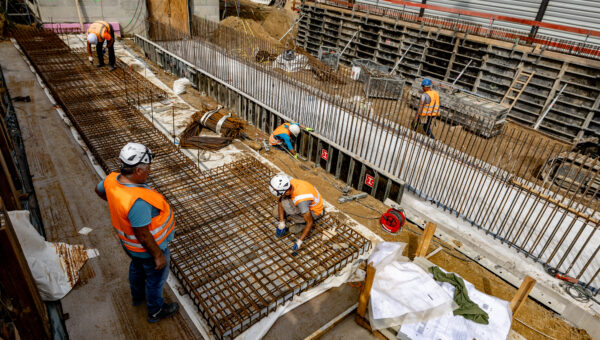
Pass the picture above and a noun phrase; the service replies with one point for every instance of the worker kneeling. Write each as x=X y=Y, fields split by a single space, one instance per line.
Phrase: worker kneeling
x=283 y=135
x=97 y=34
x=144 y=223
x=300 y=202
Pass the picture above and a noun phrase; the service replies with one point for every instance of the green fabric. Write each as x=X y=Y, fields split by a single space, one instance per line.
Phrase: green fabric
x=467 y=308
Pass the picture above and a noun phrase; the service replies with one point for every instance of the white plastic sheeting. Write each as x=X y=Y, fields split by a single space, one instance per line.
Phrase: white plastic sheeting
x=457 y=327
x=54 y=266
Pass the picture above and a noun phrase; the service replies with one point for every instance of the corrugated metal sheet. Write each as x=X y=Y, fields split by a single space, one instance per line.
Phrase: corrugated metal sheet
x=578 y=13
x=394 y=6
x=524 y=9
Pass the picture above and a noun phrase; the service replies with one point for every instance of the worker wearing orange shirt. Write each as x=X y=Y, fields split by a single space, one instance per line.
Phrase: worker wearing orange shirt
x=97 y=34
x=300 y=201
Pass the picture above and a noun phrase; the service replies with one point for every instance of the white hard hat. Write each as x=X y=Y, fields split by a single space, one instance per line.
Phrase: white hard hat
x=279 y=184
x=92 y=38
x=133 y=154
x=294 y=129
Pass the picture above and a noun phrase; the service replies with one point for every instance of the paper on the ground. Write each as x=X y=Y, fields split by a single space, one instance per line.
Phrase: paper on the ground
x=54 y=266
x=457 y=327
x=403 y=292
x=85 y=231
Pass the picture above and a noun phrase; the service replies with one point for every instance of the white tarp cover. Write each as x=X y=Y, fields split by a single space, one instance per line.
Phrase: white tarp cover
x=402 y=291
x=54 y=266
x=457 y=327
x=300 y=62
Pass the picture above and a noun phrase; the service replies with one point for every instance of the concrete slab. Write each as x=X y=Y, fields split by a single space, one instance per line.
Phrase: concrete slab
x=63 y=177
x=312 y=315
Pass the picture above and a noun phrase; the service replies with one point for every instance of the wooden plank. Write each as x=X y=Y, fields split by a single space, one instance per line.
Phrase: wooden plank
x=365 y=291
x=517 y=301
x=425 y=239
x=7 y=187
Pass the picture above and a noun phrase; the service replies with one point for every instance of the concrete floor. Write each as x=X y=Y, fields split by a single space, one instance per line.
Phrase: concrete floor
x=99 y=307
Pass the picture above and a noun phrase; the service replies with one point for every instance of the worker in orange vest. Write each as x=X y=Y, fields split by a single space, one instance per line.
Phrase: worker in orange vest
x=144 y=223
x=429 y=107
x=282 y=135
x=302 y=204
x=97 y=34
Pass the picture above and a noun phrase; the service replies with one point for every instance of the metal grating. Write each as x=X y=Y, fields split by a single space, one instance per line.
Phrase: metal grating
x=225 y=251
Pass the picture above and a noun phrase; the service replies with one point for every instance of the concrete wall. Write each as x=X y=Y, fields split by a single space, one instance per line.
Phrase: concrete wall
x=206 y=9
x=131 y=14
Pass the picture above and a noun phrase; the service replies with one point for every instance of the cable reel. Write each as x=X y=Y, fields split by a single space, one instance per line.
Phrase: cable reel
x=392 y=221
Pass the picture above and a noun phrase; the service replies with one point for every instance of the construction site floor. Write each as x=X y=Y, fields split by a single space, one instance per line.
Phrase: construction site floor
x=99 y=307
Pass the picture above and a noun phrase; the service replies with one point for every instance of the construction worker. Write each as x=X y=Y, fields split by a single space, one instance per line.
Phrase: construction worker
x=429 y=107
x=283 y=133
x=302 y=204
x=144 y=223
x=97 y=34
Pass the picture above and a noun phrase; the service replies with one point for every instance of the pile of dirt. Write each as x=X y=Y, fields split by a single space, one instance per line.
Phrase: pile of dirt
x=278 y=22
x=248 y=26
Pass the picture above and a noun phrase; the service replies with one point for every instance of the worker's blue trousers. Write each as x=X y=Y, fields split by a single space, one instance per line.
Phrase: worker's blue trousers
x=147 y=282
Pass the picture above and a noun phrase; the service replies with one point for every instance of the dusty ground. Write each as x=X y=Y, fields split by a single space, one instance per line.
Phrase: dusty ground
x=368 y=211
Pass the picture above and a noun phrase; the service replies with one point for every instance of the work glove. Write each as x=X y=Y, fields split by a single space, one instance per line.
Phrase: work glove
x=296 y=246
x=309 y=129
x=281 y=229
x=91 y=60
x=296 y=156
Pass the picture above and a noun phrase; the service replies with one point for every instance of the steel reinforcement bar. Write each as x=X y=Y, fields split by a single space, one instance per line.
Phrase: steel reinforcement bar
x=225 y=251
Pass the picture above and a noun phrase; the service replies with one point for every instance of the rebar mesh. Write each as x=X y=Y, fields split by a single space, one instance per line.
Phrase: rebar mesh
x=225 y=251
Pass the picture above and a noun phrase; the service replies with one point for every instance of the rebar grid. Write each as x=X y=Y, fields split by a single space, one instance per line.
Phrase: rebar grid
x=225 y=251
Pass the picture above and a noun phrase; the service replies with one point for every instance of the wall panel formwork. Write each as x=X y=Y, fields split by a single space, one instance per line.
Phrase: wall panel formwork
x=524 y=9
x=580 y=13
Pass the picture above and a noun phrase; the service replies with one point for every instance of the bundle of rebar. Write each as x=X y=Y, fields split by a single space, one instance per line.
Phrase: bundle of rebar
x=216 y=120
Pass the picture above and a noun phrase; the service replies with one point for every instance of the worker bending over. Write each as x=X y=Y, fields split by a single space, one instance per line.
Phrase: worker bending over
x=283 y=134
x=97 y=34
x=429 y=107
x=144 y=223
x=300 y=201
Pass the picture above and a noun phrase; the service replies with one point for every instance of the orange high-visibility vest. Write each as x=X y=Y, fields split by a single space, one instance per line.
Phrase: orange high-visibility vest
x=283 y=128
x=304 y=191
x=433 y=108
x=101 y=29
x=120 y=200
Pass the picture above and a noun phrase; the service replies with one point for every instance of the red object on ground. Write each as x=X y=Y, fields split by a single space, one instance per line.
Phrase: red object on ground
x=392 y=220
x=566 y=278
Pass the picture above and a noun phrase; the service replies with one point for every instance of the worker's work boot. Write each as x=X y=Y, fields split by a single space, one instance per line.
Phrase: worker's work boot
x=112 y=68
x=167 y=310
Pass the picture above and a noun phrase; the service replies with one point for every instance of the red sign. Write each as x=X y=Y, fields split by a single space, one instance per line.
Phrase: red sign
x=324 y=154
x=369 y=181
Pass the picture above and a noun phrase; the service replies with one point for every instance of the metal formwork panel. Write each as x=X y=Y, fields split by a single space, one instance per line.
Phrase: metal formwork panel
x=579 y=13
